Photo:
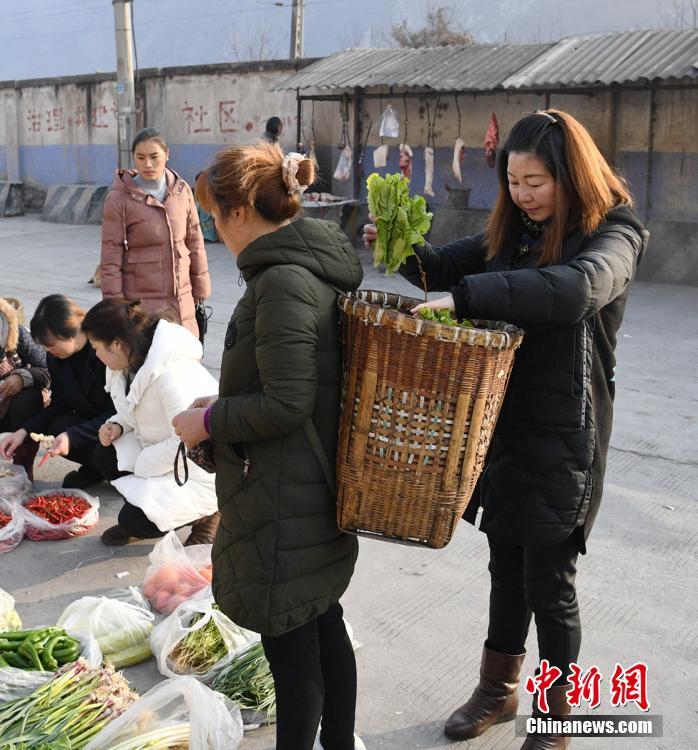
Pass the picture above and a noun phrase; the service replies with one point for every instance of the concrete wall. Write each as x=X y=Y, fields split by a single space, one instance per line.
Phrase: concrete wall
x=64 y=131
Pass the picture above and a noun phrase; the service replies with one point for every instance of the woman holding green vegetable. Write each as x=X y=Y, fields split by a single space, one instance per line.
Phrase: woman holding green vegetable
x=280 y=564
x=557 y=259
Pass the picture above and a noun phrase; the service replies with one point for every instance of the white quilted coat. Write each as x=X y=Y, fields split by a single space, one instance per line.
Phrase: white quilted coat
x=171 y=377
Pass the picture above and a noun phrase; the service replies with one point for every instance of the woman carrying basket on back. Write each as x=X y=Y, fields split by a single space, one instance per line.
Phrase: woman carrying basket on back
x=557 y=259
x=280 y=564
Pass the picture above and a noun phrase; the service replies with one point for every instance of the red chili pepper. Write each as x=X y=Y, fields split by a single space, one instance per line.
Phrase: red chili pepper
x=4 y=520
x=58 y=509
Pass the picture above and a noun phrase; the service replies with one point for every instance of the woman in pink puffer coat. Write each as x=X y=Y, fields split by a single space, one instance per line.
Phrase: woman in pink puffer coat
x=152 y=246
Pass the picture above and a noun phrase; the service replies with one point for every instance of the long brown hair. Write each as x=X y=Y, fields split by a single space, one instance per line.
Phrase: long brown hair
x=587 y=188
x=252 y=176
x=113 y=319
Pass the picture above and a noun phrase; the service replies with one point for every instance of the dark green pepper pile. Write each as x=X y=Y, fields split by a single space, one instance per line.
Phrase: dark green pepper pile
x=42 y=650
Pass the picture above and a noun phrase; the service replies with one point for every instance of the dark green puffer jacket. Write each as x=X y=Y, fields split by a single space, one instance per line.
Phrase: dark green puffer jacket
x=279 y=559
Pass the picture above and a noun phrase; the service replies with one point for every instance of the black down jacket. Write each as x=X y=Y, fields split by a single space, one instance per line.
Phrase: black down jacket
x=543 y=479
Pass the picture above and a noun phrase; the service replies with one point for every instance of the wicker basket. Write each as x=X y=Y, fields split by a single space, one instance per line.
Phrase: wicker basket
x=419 y=405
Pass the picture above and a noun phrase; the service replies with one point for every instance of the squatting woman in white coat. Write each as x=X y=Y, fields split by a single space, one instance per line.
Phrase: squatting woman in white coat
x=154 y=371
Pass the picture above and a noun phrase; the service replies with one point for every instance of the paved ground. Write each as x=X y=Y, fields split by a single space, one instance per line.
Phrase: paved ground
x=421 y=614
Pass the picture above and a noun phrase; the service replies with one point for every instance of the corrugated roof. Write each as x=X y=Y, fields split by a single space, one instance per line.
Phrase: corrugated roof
x=620 y=57
x=472 y=66
x=588 y=60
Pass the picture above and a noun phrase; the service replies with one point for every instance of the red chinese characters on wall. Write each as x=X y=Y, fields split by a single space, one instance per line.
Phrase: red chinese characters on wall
x=99 y=117
x=195 y=118
x=226 y=116
x=34 y=120
x=54 y=119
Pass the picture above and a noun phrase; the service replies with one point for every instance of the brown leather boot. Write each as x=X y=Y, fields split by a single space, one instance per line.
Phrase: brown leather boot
x=204 y=530
x=495 y=699
x=24 y=456
x=559 y=708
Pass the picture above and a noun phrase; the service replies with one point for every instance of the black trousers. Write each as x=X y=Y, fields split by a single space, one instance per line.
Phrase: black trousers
x=131 y=518
x=23 y=406
x=315 y=678
x=536 y=581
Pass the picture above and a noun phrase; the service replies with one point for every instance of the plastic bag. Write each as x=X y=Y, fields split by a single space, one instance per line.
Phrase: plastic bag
x=214 y=721
x=389 y=124
x=39 y=529
x=176 y=573
x=171 y=631
x=342 y=172
x=15 y=683
x=380 y=156
x=14 y=483
x=115 y=625
x=13 y=532
x=9 y=619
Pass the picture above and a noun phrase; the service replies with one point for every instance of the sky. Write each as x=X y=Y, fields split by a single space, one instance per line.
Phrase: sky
x=46 y=38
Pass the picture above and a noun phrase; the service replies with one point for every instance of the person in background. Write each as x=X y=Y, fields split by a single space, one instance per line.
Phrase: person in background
x=208 y=225
x=153 y=371
x=273 y=130
x=280 y=564
x=79 y=404
x=23 y=380
x=557 y=259
x=152 y=246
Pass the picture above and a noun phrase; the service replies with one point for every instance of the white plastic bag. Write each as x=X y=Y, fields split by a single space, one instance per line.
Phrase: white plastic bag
x=9 y=619
x=15 y=683
x=115 y=625
x=14 y=483
x=389 y=124
x=176 y=573
x=182 y=621
x=342 y=172
x=12 y=533
x=39 y=529
x=213 y=720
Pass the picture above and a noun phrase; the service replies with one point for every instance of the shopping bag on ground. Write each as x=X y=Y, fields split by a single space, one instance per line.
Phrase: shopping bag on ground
x=198 y=639
x=59 y=514
x=12 y=521
x=180 y=712
x=176 y=573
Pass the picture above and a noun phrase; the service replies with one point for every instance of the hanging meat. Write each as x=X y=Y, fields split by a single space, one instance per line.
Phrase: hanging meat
x=428 y=171
x=458 y=159
x=491 y=141
x=405 y=162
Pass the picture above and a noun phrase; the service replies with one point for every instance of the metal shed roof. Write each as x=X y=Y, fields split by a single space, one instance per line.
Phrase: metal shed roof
x=587 y=60
x=603 y=59
x=472 y=66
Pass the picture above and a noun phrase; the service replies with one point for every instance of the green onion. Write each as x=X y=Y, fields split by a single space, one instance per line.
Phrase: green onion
x=172 y=737
x=248 y=681
x=200 y=650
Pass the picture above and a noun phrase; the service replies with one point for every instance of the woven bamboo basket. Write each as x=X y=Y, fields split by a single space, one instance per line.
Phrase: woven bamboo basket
x=419 y=404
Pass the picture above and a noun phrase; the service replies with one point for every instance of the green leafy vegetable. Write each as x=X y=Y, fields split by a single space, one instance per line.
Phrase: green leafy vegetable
x=444 y=317
x=401 y=220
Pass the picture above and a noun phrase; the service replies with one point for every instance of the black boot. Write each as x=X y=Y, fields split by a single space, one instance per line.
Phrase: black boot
x=495 y=699
x=81 y=478
x=24 y=456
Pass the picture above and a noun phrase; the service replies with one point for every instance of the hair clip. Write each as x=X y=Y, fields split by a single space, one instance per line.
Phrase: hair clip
x=552 y=119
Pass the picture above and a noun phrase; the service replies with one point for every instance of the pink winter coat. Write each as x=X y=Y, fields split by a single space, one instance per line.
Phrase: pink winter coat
x=163 y=260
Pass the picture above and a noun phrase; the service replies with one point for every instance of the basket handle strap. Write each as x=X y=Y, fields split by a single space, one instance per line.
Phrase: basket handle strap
x=320 y=454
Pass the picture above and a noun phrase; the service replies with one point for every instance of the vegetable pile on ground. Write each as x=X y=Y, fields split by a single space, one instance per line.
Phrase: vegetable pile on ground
x=248 y=681
x=60 y=515
x=401 y=221
x=58 y=509
x=42 y=650
x=200 y=650
x=172 y=737
x=169 y=585
x=443 y=317
x=66 y=711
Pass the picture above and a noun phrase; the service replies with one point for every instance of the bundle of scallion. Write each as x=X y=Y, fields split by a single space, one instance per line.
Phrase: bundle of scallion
x=248 y=681
x=171 y=737
x=200 y=650
x=63 y=713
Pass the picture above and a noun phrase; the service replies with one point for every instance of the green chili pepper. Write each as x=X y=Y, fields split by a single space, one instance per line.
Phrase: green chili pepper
x=28 y=651
x=3 y=663
x=14 y=660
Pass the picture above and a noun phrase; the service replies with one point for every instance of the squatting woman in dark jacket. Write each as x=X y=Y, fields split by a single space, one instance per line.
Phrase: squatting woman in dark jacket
x=557 y=259
x=79 y=404
x=280 y=564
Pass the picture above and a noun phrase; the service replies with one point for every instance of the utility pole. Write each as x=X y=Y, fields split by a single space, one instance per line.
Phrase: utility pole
x=125 y=89
x=297 y=30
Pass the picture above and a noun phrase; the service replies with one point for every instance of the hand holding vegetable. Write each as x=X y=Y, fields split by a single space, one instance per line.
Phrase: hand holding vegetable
x=443 y=303
x=60 y=445
x=370 y=231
